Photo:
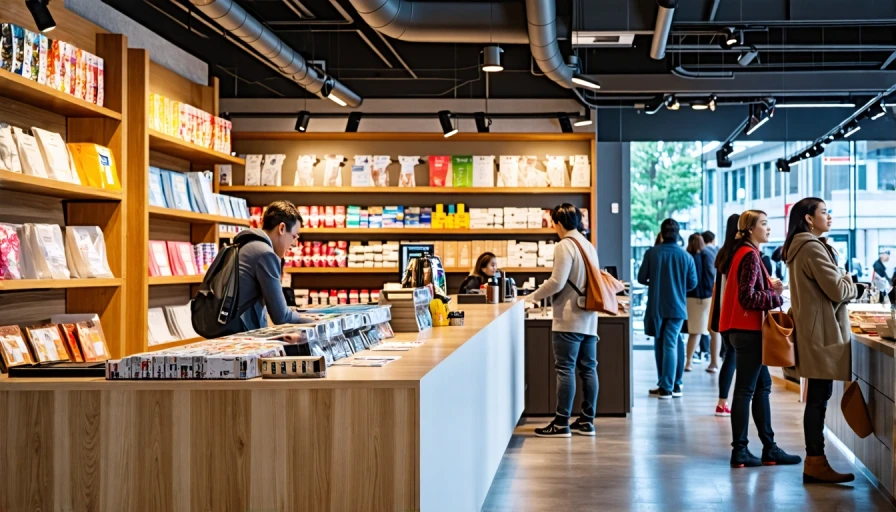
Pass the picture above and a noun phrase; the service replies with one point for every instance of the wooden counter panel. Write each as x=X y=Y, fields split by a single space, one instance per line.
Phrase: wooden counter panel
x=315 y=449
x=876 y=343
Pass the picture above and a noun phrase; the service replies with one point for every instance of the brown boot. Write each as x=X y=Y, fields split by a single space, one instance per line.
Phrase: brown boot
x=816 y=470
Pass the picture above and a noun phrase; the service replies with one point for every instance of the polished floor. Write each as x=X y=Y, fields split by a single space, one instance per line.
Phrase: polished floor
x=668 y=456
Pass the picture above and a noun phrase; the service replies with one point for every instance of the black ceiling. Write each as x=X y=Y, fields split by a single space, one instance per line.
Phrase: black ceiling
x=830 y=36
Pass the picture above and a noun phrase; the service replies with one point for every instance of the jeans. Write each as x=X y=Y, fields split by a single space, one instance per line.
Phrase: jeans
x=753 y=382
x=817 y=396
x=726 y=373
x=571 y=351
x=669 y=353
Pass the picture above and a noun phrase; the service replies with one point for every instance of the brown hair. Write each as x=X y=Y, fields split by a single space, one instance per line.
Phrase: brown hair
x=482 y=261
x=696 y=243
x=280 y=212
x=748 y=220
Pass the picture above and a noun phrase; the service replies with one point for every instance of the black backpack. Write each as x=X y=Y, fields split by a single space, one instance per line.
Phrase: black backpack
x=215 y=309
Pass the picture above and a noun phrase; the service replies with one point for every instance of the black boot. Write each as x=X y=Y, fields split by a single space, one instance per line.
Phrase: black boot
x=742 y=458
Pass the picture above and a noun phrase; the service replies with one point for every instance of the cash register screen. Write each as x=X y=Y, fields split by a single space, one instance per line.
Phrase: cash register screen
x=408 y=251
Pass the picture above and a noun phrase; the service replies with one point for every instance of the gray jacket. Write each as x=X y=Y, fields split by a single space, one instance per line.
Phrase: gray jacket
x=260 y=271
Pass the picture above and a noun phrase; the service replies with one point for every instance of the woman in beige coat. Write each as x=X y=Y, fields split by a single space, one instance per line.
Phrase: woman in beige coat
x=820 y=291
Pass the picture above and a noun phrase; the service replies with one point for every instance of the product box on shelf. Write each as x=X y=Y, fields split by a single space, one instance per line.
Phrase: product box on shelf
x=301 y=367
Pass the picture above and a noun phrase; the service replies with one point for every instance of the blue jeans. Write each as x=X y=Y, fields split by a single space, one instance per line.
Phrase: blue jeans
x=573 y=350
x=669 y=352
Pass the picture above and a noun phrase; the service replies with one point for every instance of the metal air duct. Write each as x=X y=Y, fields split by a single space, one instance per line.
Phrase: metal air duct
x=469 y=22
x=665 y=12
x=234 y=19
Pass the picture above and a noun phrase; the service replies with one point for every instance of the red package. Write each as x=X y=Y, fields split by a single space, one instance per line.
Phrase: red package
x=314 y=217
x=438 y=170
x=329 y=217
x=9 y=253
x=69 y=334
x=340 y=216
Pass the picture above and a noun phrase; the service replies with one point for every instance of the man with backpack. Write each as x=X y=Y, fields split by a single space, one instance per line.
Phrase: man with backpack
x=574 y=328
x=242 y=286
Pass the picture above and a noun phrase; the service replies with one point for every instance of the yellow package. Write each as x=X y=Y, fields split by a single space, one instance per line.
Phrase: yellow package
x=439 y=312
x=95 y=165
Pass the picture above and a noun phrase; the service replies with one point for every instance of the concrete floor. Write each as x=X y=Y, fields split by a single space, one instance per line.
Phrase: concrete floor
x=669 y=456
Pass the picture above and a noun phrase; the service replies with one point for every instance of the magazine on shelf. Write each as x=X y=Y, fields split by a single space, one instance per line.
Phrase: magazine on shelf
x=156 y=190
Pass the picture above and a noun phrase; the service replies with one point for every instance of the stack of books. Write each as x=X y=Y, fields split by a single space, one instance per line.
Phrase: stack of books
x=192 y=191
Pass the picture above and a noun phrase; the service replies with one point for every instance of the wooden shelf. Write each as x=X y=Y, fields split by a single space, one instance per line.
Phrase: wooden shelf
x=56 y=284
x=165 y=280
x=393 y=270
x=423 y=231
x=158 y=212
x=53 y=188
x=227 y=235
x=173 y=344
x=27 y=91
x=415 y=136
x=176 y=147
x=236 y=189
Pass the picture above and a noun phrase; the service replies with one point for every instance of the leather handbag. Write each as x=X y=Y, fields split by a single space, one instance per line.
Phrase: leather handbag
x=778 y=348
x=855 y=410
x=600 y=295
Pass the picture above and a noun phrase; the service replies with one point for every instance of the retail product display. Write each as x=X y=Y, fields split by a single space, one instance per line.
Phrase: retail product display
x=333 y=170
x=180 y=258
x=189 y=123
x=305 y=170
x=76 y=338
x=9 y=153
x=85 y=251
x=406 y=177
x=56 y=157
x=218 y=359
x=192 y=191
x=29 y=154
x=53 y=63
x=306 y=297
x=46 y=343
x=10 y=253
x=439 y=171
x=410 y=308
x=170 y=323
x=13 y=348
x=362 y=171
x=271 y=170
x=581 y=171
x=95 y=165
x=300 y=367
x=43 y=252
x=69 y=333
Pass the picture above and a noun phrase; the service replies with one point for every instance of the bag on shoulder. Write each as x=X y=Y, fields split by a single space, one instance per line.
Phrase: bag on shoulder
x=601 y=287
x=214 y=309
x=778 y=348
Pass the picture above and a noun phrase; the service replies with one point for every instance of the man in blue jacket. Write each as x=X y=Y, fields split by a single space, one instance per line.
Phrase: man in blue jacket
x=669 y=273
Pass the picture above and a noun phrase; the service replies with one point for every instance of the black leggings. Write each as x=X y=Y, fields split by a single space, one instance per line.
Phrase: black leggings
x=726 y=373
x=817 y=395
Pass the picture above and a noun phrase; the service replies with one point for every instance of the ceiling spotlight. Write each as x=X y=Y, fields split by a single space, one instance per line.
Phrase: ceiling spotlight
x=491 y=59
x=707 y=104
x=671 y=102
x=565 y=125
x=877 y=111
x=731 y=37
x=41 y=14
x=651 y=107
x=302 y=121
x=445 y=121
x=482 y=123
x=354 y=120
x=747 y=57
x=850 y=129
x=760 y=113
x=584 y=120
x=722 y=159
x=829 y=139
x=585 y=82
x=782 y=165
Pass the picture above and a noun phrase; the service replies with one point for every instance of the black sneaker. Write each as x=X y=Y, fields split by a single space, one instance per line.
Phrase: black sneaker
x=744 y=459
x=775 y=456
x=663 y=394
x=582 y=427
x=676 y=392
x=553 y=431
x=653 y=392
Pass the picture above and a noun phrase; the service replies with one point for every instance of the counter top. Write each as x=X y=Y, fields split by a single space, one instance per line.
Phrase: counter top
x=441 y=343
x=876 y=343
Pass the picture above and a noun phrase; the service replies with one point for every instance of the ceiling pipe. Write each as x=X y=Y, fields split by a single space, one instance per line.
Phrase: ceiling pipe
x=474 y=22
x=664 y=14
x=234 y=19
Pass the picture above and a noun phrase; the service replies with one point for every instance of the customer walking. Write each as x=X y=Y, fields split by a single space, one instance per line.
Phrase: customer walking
x=819 y=291
x=748 y=293
x=574 y=330
x=723 y=264
x=713 y=342
x=700 y=298
x=669 y=273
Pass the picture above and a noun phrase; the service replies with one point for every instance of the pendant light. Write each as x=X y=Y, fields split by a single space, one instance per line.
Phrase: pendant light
x=491 y=59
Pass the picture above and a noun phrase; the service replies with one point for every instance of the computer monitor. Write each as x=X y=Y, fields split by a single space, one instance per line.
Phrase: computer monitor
x=612 y=271
x=408 y=251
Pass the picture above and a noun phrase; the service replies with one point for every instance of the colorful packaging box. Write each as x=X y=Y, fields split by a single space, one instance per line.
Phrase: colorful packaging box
x=100 y=84
x=8 y=44
x=90 y=77
x=42 y=49
x=25 y=52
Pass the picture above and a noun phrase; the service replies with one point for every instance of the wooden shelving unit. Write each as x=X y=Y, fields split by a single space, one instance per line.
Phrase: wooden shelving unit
x=164 y=143
x=18 y=182
x=25 y=103
x=158 y=212
x=169 y=280
x=58 y=284
x=498 y=191
x=393 y=270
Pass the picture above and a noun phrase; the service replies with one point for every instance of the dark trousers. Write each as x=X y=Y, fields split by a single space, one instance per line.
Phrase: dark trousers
x=817 y=395
x=571 y=351
x=726 y=372
x=752 y=384
x=704 y=344
x=668 y=350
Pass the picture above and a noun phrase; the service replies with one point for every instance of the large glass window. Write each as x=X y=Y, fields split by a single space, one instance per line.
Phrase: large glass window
x=756 y=182
x=779 y=177
x=711 y=187
x=886 y=175
x=741 y=184
x=766 y=180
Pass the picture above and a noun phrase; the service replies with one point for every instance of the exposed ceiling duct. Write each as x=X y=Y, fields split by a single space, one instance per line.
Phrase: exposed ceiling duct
x=664 y=14
x=234 y=19
x=468 y=22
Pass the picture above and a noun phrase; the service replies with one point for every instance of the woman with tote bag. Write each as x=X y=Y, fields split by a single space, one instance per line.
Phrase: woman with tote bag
x=820 y=291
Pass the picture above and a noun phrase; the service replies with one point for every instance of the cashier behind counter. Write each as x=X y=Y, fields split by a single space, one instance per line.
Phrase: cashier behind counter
x=485 y=268
x=260 y=267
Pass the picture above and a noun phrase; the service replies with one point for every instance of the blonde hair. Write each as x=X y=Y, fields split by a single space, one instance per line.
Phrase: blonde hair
x=748 y=220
